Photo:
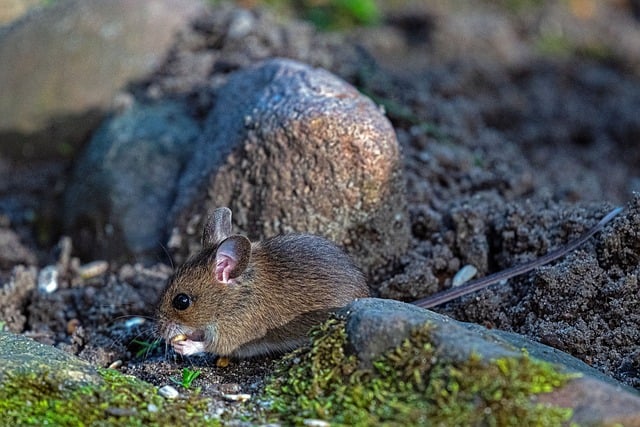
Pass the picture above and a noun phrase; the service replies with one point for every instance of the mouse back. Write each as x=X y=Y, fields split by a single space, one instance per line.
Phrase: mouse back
x=312 y=265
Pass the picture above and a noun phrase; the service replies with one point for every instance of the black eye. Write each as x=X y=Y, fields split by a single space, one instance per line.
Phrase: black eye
x=181 y=302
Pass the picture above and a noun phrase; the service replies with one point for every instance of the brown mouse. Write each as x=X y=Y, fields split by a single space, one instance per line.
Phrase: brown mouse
x=239 y=299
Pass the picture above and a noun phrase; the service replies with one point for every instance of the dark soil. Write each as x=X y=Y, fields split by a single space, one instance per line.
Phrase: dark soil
x=506 y=157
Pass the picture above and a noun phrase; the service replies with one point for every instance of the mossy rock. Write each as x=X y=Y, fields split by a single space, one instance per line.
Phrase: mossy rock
x=411 y=385
x=41 y=385
x=21 y=357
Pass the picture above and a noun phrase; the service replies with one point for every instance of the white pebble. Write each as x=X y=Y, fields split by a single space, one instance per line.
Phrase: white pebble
x=116 y=365
x=152 y=408
x=315 y=423
x=134 y=321
x=240 y=397
x=463 y=275
x=168 y=392
x=241 y=24
x=48 y=279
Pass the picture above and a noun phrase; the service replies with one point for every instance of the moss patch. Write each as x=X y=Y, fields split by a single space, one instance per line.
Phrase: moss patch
x=27 y=399
x=409 y=385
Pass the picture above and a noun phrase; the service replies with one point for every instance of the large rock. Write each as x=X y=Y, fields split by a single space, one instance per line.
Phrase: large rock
x=375 y=326
x=124 y=184
x=62 y=65
x=20 y=356
x=292 y=148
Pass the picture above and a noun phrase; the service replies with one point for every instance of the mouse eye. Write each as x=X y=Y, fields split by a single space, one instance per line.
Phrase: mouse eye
x=181 y=302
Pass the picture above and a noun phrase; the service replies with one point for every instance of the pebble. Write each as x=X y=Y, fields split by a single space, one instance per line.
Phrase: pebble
x=115 y=365
x=93 y=269
x=48 y=279
x=168 y=392
x=311 y=422
x=133 y=322
x=240 y=397
x=463 y=275
x=241 y=24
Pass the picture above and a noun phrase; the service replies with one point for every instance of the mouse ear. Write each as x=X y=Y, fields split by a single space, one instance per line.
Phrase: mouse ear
x=232 y=258
x=217 y=227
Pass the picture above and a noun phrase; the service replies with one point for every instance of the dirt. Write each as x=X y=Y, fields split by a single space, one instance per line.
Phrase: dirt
x=505 y=159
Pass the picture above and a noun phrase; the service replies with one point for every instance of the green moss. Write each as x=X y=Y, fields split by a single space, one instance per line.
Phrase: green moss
x=121 y=400
x=409 y=386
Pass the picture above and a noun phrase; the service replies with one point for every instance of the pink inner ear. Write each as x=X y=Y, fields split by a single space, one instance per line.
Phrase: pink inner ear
x=224 y=265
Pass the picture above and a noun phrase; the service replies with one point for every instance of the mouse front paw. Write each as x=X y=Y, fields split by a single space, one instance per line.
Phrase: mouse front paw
x=188 y=347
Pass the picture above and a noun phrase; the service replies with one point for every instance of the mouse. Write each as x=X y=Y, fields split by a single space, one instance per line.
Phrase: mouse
x=237 y=299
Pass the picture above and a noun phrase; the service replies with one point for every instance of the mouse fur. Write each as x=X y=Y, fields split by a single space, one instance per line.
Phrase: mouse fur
x=240 y=299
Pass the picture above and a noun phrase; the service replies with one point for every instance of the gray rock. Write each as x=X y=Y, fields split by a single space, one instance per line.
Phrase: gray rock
x=377 y=325
x=62 y=66
x=124 y=184
x=22 y=356
x=291 y=148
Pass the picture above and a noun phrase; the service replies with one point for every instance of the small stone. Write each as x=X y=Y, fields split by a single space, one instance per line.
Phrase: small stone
x=168 y=392
x=115 y=365
x=48 y=279
x=134 y=322
x=93 y=269
x=241 y=24
x=240 y=397
x=152 y=408
x=463 y=275
x=311 y=422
